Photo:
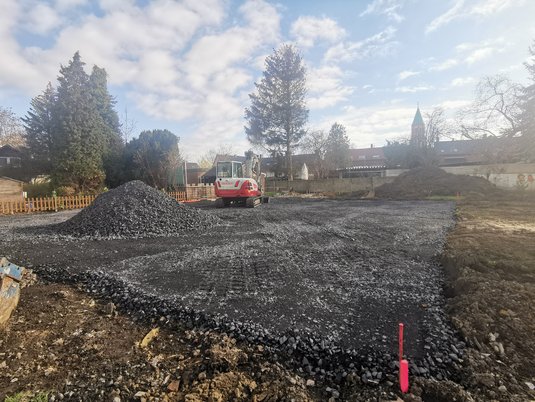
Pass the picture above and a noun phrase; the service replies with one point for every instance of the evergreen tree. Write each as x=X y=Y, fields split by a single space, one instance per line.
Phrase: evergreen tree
x=111 y=130
x=39 y=125
x=154 y=157
x=527 y=113
x=278 y=113
x=78 y=136
x=338 y=145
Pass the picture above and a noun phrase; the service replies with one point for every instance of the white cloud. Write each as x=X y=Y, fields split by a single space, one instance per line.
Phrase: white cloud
x=373 y=125
x=464 y=9
x=380 y=44
x=390 y=8
x=455 y=104
x=41 y=19
x=480 y=54
x=462 y=81
x=307 y=30
x=414 y=89
x=326 y=87
x=472 y=52
x=445 y=65
x=68 y=4
x=403 y=75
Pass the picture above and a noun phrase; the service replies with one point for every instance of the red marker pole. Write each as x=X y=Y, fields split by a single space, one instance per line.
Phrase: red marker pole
x=403 y=364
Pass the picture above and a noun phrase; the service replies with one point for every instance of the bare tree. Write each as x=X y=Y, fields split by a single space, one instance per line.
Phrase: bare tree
x=316 y=142
x=11 y=129
x=206 y=161
x=128 y=126
x=436 y=126
x=495 y=110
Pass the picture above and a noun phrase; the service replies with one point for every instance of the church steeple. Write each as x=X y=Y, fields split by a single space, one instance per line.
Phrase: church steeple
x=418 y=130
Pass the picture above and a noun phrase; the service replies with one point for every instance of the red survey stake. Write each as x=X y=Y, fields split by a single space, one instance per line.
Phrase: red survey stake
x=403 y=364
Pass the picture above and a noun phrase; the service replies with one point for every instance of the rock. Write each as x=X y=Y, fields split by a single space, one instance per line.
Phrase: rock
x=202 y=376
x=173 y=386
x=310 y=383
x=502 y=388
x=485 y=379
x=109 y=309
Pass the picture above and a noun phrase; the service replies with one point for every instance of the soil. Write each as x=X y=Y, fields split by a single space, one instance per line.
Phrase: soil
x=490 y=261
x=425 y=182
x=73 y=347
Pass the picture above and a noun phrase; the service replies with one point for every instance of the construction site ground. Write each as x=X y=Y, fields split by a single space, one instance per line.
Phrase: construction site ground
x=346 y=271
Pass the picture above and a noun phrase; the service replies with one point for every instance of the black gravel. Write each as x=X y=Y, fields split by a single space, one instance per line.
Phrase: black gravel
x=135 y=210
x=322 y=284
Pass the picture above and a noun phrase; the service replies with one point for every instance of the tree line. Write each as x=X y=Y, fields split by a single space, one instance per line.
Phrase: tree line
x=277 y=116
x=73 y=134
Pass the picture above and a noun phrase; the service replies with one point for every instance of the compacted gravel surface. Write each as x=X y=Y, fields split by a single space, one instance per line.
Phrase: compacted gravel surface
x=344 y=272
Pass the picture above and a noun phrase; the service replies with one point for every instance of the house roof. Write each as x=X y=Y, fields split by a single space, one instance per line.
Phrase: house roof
x=10 y=179
x=9 y=151
x=192 y=165
x=367 y=154
x=465 y=147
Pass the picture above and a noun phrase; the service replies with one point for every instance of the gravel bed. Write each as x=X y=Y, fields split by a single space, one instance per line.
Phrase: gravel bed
x=322 y=284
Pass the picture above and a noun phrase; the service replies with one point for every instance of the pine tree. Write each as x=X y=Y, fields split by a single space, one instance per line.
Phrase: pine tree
x=78 y=138
x=527 y=114
x=337 y=154
x=278 y=113
x=39 y=125
x=112 y=129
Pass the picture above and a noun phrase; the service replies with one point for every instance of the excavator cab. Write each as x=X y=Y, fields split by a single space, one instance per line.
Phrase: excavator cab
x=240 y=183
x=231 y=169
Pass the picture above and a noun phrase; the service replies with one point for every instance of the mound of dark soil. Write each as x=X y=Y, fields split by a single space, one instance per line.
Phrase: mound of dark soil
x=432 y=181
x=135 y=210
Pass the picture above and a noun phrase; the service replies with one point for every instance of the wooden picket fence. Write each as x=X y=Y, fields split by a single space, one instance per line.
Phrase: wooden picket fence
x=46 y=204
x=191 y=193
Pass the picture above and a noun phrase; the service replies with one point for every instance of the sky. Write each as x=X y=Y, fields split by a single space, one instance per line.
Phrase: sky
x=188 y=66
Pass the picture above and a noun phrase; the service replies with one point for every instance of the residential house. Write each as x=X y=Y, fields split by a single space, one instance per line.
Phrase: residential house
x=10 y=157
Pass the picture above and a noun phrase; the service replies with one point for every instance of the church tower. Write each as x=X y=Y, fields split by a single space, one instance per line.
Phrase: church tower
x=418 y=130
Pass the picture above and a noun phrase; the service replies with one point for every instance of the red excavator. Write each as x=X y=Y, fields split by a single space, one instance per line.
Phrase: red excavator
x=240 y=183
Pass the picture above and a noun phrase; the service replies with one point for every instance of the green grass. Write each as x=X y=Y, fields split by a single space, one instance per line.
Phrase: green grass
x=28 y=397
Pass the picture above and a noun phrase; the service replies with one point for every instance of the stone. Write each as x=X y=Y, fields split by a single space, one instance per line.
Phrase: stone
x=173 y=386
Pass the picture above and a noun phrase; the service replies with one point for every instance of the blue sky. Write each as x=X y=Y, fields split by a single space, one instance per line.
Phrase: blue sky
x=189 y=66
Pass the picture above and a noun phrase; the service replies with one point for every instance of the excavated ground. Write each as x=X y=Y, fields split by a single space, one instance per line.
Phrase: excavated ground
x=345 y=271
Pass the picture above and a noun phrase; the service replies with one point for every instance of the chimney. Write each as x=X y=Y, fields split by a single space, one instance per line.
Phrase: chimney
x=371 y=146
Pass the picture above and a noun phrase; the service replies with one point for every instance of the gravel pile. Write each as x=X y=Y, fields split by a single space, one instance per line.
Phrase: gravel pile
x=432 y=181
x=135 y=210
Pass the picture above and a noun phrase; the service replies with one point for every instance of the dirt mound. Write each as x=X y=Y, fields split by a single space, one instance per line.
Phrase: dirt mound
x=432 y=181
x=135 y=210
